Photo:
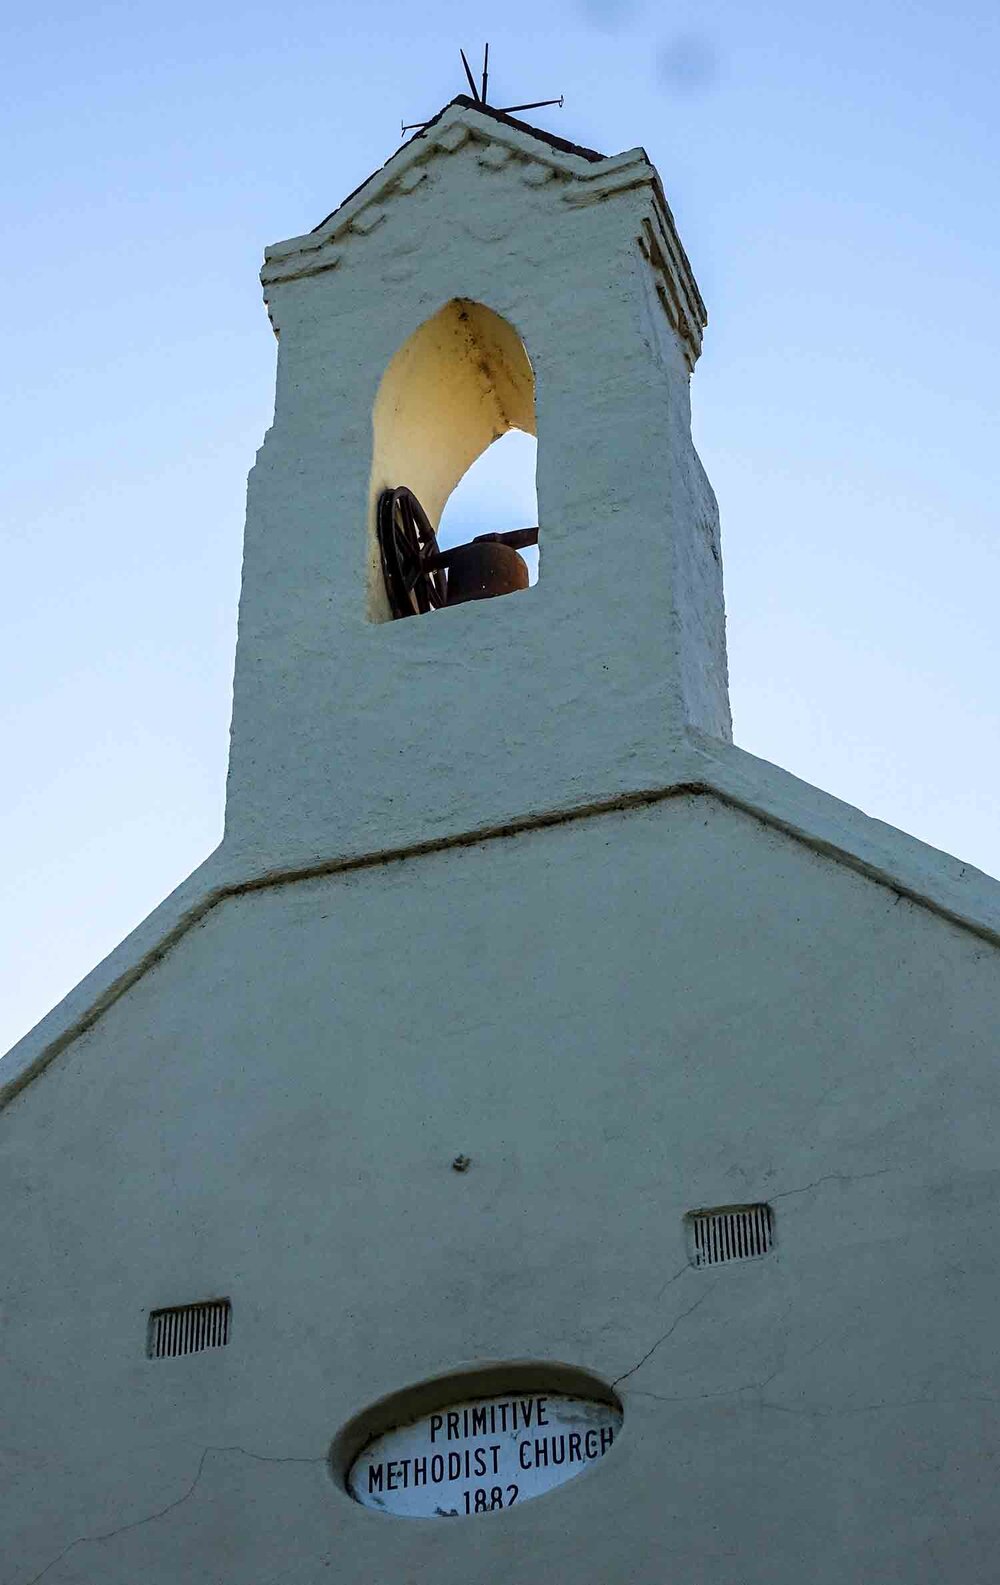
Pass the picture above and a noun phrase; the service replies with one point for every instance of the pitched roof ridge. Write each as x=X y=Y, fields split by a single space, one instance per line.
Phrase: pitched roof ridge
x=564 y=145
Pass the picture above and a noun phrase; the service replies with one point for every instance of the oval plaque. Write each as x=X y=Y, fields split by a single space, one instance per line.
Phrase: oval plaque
x=483 y=1454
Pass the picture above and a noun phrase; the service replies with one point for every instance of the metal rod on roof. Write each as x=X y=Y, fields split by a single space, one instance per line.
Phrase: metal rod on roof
x=536 y=104
x=479 y=94
x=472 y=80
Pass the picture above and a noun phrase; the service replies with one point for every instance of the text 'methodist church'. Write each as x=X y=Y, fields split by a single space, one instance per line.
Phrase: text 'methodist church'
x=542 y=1142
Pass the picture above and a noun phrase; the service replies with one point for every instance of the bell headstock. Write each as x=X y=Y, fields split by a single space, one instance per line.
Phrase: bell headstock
x=419 y=577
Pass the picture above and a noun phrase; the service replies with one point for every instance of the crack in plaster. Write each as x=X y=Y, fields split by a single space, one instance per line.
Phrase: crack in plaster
x=675 y=1278
x=161 y=1513
x=872 y=1408
x=660 y=1340
x=747 y=1386
x=750 y=1386
x=807 y=1410
x=780 y=1370
x=832 y=1177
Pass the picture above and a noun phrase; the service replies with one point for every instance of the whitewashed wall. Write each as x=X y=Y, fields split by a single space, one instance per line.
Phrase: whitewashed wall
x=617 y=1019
x=353 y=736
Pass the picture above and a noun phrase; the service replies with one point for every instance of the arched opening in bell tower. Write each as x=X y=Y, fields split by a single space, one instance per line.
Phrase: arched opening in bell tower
x=459 y=383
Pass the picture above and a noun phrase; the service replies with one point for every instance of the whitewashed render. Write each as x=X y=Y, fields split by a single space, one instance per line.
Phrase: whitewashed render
x=497 y=889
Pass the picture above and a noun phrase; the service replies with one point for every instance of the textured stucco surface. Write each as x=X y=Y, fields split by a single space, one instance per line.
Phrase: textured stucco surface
x=618 y=1020
x=352 y=735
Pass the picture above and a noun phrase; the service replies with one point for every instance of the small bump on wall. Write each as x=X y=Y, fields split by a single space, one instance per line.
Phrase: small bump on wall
x=452 y=138
x=368 y=219
x=534 y=174
x=411 y=178
x=494 y=156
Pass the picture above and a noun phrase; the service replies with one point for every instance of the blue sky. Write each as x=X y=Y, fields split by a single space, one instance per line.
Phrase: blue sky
x=833 y=176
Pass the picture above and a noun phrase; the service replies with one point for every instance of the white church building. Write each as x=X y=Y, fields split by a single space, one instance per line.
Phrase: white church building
x=543 y=1142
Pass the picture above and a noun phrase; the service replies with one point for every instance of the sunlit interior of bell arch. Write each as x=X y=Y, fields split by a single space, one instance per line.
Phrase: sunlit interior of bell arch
x=460 y=383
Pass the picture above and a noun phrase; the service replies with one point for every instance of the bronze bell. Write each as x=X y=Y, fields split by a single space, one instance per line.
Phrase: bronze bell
x=482 y=569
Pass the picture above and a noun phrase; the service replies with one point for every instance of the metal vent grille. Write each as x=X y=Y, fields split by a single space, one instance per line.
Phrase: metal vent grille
x=189 y=1328
x=733 y=1232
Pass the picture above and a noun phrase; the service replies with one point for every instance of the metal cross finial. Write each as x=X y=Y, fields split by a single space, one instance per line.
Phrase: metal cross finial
x=479 y=95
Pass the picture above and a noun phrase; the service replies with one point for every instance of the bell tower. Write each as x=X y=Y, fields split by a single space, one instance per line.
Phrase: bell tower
x=490 y=276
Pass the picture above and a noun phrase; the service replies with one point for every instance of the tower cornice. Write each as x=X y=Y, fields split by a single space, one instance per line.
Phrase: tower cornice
x=579 y=177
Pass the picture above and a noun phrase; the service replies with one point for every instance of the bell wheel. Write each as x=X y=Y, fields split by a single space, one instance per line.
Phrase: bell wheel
x=407 y=543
